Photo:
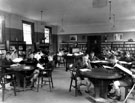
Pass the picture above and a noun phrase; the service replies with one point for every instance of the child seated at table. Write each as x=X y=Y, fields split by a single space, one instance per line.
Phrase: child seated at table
x=92 y=56
x=125 y=81
x=35 y=74
x=6 y=62
x=81 y=63
x=41 y=66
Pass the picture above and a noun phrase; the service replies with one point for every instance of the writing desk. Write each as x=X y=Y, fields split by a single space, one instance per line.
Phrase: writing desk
x=101 y=80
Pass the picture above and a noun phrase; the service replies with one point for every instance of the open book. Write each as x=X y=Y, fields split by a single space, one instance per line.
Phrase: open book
x=99 y=61
x=108 y=67
x=124 y=62
x=85 y=69
x=17 y=60
x=123 y=69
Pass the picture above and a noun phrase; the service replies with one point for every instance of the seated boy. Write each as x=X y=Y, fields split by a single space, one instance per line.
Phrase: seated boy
x=80 y=64
x=126 y=80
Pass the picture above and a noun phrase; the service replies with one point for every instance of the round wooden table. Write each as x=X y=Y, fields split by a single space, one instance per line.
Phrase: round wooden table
x=21 y=71
x=101 y=79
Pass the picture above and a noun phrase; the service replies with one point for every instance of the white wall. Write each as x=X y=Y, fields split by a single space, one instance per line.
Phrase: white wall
x=15 y=21
x=120 y=26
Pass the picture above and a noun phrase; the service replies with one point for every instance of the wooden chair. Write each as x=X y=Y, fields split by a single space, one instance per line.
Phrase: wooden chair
x=4 y=80
x=74 y=80
x=130 y=91
x=46 y=77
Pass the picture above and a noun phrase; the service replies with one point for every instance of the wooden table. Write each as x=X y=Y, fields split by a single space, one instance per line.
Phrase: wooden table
x=100 y=63
x=101 y=80
x=20 y=71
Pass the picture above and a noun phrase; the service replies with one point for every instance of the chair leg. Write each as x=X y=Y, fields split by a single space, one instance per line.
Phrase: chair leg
x=129 y=94
x=24 y=83
x=3 y=89
x=70 y=85
x=41 y=82
x=14 y=87
x=76 y=90
x=38 y=84
x=52 y=82
x=49 y=79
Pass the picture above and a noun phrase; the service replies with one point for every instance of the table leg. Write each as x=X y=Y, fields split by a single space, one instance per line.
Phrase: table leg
x=104 y=88
x=97 y=90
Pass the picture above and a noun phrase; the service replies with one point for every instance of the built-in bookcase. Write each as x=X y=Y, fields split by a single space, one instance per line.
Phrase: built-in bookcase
x=20 y=46
x=122 y=45
x=67 y=46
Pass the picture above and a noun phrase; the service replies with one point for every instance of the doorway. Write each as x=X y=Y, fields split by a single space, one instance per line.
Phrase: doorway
x=94 y=44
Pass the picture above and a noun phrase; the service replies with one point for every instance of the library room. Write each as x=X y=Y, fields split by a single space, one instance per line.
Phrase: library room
x=72 y=51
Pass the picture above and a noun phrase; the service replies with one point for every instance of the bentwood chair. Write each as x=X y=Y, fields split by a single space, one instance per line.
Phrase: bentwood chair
x=4 y=79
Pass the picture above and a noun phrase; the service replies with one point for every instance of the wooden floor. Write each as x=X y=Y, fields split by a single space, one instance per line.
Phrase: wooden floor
x=59 y=94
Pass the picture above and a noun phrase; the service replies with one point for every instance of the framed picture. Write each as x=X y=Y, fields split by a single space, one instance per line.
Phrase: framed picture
x=118 y=36
x=73 y=38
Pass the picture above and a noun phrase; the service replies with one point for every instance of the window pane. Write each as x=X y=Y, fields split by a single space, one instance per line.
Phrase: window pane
x=27 y=33
x=47 y=33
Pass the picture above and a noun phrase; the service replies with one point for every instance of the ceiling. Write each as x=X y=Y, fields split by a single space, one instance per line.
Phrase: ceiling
x=73 y=12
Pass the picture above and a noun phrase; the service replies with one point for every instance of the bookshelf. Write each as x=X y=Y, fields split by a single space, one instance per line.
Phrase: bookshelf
x=20 y=46
x=122 y=45
x=42 y=46
x=2 y=50
x=81 y=45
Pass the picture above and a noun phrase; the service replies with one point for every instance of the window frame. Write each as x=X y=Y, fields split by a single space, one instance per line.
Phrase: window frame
x=2 y=28
x=50 y=32
x=32 y=30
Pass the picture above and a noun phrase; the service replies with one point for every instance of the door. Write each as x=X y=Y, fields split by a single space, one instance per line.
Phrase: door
x=94 y=44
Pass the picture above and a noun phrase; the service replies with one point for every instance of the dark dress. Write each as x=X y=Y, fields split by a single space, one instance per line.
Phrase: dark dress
x=6 y=64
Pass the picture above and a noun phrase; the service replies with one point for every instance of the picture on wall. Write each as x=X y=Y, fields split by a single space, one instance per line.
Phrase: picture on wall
x=118 y=36
x=73 y=38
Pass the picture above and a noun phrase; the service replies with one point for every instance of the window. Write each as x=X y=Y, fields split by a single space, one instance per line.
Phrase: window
x=1 y=24
x=27 y=33
x=47 y=31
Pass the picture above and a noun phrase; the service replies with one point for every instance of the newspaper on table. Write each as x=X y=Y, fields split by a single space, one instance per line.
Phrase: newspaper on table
x=124 y=69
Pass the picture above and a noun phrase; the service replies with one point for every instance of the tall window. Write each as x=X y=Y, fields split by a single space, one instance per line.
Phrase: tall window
x=27 y=33
x=1 y=22
x=47 y=31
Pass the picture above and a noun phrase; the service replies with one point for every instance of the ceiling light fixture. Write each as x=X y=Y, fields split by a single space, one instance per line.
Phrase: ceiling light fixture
x=62 y=29
x=111 y=16
x=41 y=17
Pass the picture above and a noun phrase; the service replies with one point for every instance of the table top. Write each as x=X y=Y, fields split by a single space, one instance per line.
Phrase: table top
x=101 y=74
x=100 y=61
x=21 y=67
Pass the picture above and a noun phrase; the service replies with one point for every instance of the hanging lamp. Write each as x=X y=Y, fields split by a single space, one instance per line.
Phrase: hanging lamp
x=62 y=29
